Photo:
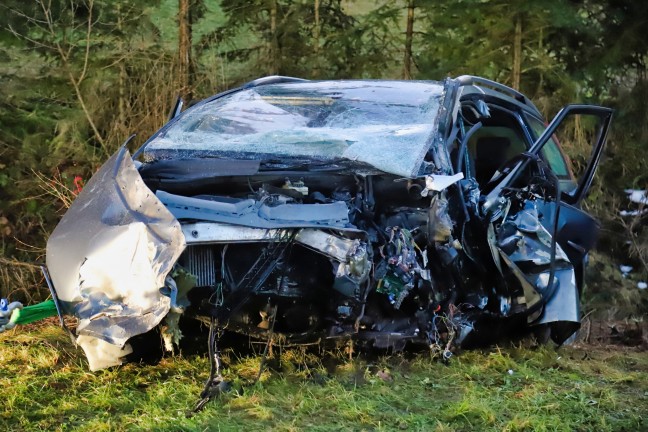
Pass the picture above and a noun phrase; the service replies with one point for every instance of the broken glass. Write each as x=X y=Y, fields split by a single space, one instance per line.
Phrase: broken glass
x=388 y=125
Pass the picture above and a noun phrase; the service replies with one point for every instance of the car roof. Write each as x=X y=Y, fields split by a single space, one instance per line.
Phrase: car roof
x=472 y=85
x=469 y=84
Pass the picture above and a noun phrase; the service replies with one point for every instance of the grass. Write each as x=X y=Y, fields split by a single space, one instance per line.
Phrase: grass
x=46 y=385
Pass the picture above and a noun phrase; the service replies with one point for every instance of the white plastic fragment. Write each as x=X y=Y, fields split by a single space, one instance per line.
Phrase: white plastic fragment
x=439 y=182
x=625 y=269
x=625 y=213
x=642 y=285
x=637 y=196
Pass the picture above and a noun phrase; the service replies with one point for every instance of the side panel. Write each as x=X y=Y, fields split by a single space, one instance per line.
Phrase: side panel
x=578 y=233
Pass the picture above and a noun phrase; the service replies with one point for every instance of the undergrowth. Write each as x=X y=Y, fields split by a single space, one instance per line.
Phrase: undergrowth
x=46 y=385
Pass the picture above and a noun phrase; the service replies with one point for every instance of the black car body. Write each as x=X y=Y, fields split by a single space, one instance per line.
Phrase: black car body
x=391 y=212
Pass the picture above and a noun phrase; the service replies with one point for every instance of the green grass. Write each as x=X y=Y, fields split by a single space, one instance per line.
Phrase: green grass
x=45 y=384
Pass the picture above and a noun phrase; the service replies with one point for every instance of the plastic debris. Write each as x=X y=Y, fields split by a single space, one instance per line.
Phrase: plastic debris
x=642 y=285
x=33 y=313
x=440 y=182
x=13 y=314
x=625 y=269
x=7 y=320
x=625 y=213
x=637 y=196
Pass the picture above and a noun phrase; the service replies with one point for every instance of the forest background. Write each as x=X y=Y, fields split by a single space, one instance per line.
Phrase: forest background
x=77 y=77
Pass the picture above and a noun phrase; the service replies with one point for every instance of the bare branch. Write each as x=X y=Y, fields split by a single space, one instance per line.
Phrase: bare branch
x=87 y=50
x=30 y=40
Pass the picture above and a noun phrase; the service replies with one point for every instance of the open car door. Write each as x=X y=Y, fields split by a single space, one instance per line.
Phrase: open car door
x=574 y=196
x=545 y=245
x=603 y=117
x=577 y=231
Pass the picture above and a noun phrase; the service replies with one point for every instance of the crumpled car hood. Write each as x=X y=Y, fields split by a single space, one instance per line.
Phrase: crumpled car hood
x=109 y=256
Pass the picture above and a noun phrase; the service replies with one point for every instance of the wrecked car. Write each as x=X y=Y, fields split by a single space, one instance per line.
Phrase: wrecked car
x=392 y=213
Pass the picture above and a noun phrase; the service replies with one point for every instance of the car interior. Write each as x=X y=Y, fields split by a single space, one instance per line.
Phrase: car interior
x=499 y=139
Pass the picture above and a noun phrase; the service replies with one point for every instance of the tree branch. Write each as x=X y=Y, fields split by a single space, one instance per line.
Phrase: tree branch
x=65 y=58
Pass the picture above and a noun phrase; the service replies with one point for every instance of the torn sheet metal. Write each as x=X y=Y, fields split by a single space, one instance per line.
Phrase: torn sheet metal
x=524 y=243
x=255 y=213
x=562 y=311
x=109 y=256
x=101 y=354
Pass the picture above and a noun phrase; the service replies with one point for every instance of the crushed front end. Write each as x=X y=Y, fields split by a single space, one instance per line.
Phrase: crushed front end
x=390 y=249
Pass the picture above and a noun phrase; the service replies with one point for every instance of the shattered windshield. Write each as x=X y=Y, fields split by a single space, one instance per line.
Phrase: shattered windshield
x=387 y=124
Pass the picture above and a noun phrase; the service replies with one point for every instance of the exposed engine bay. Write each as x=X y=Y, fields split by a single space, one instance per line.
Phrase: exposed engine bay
x=351 y=266
x=374 y=257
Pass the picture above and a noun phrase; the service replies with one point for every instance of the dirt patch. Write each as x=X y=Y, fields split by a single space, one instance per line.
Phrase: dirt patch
x=629 y=332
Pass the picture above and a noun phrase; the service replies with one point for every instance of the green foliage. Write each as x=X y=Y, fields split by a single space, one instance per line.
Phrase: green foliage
x=77 y=78
x=285 y=38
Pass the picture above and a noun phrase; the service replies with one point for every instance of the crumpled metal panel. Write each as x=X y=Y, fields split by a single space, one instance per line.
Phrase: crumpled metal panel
x=563 y=309
x=336 y=247
x=256 y=214
x=110 y=254
x=524 y=240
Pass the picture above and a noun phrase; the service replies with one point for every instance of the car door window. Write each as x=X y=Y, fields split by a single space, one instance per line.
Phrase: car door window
x=551 y=152
x=586 y=126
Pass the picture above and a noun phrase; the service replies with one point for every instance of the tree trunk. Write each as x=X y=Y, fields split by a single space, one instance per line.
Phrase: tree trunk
x=121 y=104
x=274 y=40
x=540 y=50
x=407 y=60
x=316 y=38
x=184 y=50
x=517 y=52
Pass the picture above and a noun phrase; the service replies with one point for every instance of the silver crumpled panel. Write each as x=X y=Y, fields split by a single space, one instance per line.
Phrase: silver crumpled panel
x=110 y=254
